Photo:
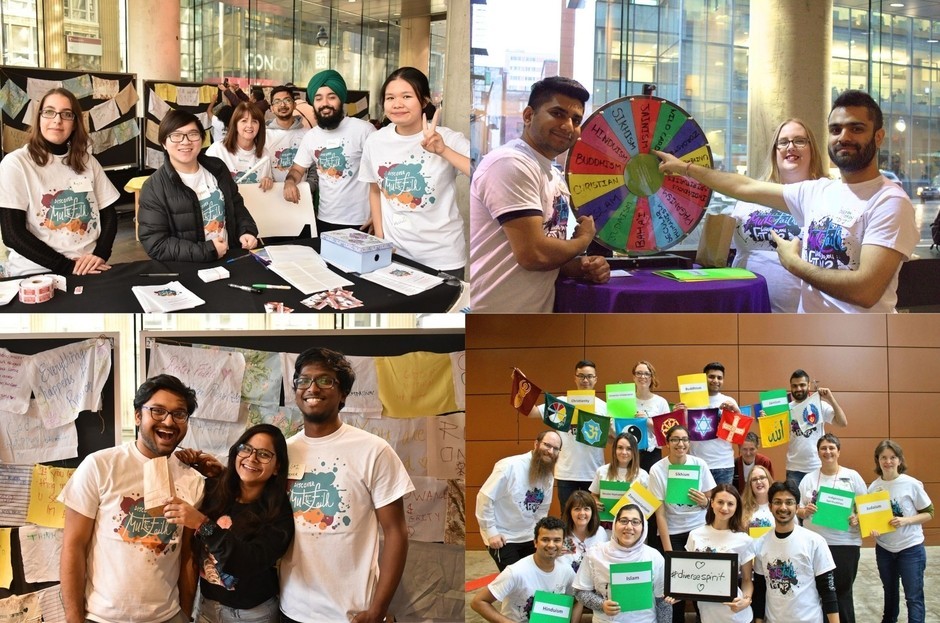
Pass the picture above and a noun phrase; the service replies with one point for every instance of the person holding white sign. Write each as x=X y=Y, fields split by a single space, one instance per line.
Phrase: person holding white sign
x=516 y=585
x=901 y=555
x=725 y=532
x=844 y=544
x=627 y=545
x=820 y=407
x=793 y=568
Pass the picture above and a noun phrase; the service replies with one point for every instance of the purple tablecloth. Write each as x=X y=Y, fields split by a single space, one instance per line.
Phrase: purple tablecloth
x=644 y=292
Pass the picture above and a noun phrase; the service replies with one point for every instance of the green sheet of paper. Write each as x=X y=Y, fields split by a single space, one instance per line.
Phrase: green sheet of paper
x=706 y=274
x=631 y=585
x=610 y=493
x=551 y=607
x=833 y=507
x=621 y=400
x=681 y=479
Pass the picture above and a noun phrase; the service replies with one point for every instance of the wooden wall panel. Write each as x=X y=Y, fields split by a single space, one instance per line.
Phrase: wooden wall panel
x=660 y=329
x=914 y=369
x=835 y=329
x=918 y=330
x=669 y=361
x=524 y=330
x=842 y=368
x=915 y=415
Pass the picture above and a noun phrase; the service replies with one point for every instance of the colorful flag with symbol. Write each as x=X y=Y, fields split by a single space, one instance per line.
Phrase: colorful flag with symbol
x=733 y=427
x=774 y=429
x=807 y=414
x=703 y=424
x=636 y=426
x=662 y=424
x=557 y=413
x=592 y=429
x=525 y=393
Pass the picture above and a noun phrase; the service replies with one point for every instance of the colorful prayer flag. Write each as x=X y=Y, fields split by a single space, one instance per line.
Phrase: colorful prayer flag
x=733 y=427
x=525 y=393
x=703 y=424
x=774 y=429
x=557 y=413
x=635 y=426
x=592 y=429
x=662 y=424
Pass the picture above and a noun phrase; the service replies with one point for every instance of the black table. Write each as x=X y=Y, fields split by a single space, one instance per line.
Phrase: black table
x=110 y=292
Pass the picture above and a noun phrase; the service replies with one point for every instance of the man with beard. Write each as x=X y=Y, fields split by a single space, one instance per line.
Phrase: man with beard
x=802 y=457
x=717 y=453
x=118 y=562
x=793 y=580
x=856 y=231
x=514 y=497
x=515 y=586
x=334 y=147
x=520 y=207
x=284 y=132
x=344 y=484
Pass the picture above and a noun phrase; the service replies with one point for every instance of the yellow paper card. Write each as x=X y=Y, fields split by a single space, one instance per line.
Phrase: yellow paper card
x=774 y=429
x=580 y=398
x=693 y=390
x=757 y=532
x=44 y=509
x=642 y=497
x=874 y=513
x=417 y=384
x=6 y=558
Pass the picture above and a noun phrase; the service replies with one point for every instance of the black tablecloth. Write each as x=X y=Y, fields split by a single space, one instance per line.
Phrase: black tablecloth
x=111 y=291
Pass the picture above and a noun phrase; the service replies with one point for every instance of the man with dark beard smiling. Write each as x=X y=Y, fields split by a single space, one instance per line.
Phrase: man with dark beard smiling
x=334 y=147
x=856 y=231
x=802 y=457
x=514 y=497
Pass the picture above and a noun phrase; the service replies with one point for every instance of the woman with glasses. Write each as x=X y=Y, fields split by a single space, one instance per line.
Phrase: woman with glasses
x=757 y=515
x=582 y=528
x=844 y=545
x=54 y=208
x=243 y=527
x=900 y=555
x=190 y=209
x=243 y=150
x=725 y=532
x=794 y=157
x=626 y=545
x=648 y=404
x=624 y=466
x=675 y=521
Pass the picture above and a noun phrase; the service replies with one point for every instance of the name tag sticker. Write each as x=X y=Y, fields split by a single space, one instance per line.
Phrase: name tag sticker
x=81 y=184
x=296 y=471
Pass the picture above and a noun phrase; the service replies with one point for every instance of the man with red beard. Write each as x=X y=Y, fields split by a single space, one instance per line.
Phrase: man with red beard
x=344 y=484
x=118 y=562
x=334 y=147
x=856 y=231
x=514 y=497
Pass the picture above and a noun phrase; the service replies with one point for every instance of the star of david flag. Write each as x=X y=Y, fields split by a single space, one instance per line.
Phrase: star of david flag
x=557 y=414
x=703 y=424
x=636 y=426
x=592 y=429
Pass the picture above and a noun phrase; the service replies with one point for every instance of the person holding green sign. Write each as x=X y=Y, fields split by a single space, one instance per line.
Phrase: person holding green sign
x=622 y=581
x=828 y=509
x=624 y=467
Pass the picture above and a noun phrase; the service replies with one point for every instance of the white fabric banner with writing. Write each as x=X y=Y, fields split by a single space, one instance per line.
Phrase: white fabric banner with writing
x=42 y=549
x=216 y=377
x=69 y=379
x=426 y=509
x=14 y=390
x=24 y=439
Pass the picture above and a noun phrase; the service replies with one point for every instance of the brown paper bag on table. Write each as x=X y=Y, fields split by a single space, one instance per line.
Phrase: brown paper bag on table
x=158 y=485
x=715 y=243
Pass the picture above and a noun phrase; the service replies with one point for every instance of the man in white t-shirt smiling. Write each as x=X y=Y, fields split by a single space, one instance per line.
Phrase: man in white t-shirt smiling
x=717 y=453
x=802 y=457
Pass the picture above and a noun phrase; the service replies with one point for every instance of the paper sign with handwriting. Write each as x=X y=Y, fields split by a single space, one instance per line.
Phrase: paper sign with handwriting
x=408 y=438
x=261 y=383
x=69 y=379
x=213 y=436
x=215 y=376
x=21 y=609
x=416 y=384
x=14 y=493
x=458 y=367
x=426 y=509
x=447 y=446
x=364 y=397
x=45 y=486
x=42 y=549
x=24 y=440
x=14 y=390
x=702 y=576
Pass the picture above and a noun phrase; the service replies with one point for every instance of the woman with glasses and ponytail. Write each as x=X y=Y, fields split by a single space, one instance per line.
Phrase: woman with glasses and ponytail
x=55 y=213
x=190 y=209
x=794 y=157
x=242 y=528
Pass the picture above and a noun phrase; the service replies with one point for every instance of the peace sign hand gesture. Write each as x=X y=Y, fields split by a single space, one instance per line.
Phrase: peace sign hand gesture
x=433 y=141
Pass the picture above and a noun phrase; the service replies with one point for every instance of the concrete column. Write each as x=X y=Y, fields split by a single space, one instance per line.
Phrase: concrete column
x=414 y=49
x=788 y=72
x=109 y=20
x=53 y=33
x=153 y=35
x=458 y=102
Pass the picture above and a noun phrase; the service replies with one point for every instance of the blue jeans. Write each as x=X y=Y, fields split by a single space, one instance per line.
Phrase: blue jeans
x=723 y=475
x=213 y=612
x=795 y=476
x=908 y=565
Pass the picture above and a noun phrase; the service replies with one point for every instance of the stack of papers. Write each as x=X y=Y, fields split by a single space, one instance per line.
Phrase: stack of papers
x=303 y=268
x=706 y=274
x=403 y=279
x=168 y=297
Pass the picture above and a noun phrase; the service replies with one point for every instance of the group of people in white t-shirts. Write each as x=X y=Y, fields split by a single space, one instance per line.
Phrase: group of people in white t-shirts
x=791 y=569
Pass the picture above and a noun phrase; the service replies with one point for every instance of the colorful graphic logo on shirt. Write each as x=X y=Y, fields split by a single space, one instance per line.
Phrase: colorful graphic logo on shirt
x=241 y=178
x=405 y=184
x=284 y=158
x=67 y=210
x=795 y=430
x=318 y=500
x=331 y=162
x=896 y=509
x=759 y=224
x=533 y=499
x=138 y=526
x=810 y=414
x=213 y=214
x=781 y=576
x=557 y=224
x=760 y=522
x=824 y=245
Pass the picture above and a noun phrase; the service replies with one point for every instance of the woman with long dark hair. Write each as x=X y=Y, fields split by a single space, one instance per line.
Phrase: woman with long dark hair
x=582 y=528
x=243 y=527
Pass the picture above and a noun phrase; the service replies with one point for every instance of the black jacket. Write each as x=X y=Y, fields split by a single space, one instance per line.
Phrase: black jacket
x=170 y=223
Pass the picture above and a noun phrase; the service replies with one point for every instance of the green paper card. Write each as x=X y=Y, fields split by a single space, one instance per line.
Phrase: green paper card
x=681 y=479
x=833 y=507
x=774 y=401
x=610 y=493
x=621 y=400
x=551 y=607
x=631 y=585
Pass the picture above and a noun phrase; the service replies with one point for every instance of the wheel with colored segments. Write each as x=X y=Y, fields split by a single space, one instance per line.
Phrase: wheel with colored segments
x=614 y=177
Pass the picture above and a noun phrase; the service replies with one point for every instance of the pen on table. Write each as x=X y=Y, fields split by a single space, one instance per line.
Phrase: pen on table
x=159 y=274
x=245 y=288
x=268 y=286
x=240 y=257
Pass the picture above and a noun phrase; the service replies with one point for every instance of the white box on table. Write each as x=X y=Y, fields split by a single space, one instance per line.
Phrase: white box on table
x=355 y=250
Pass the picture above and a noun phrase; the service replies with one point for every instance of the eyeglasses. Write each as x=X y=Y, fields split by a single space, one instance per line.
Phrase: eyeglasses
x=281 y=100
x=245 y=451
x=787 y=502
x=159 y=413
x=547 y=446
x=642 y=374
x=679 y=440
x=586 y=377
x=323 y=382
x=193 y=137
x=49 y=113
x=626 y=521
x=799 y=143
x=758 y=478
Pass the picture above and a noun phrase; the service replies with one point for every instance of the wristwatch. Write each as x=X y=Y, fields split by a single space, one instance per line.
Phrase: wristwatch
x=207 y=528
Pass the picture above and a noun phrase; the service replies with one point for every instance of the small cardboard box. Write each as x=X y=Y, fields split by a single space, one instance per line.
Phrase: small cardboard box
x=355 y=251
x=158 y=485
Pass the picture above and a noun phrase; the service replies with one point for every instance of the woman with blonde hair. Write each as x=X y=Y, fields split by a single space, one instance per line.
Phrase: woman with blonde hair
x=794 y=157
x=648 y=404
x=754 y=500
x=624 y=466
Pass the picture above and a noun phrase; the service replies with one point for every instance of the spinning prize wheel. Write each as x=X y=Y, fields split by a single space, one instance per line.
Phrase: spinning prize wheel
x=614 y=177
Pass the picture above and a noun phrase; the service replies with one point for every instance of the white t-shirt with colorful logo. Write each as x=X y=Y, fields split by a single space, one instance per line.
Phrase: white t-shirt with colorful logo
x=515 y=586
x=510 y=504
x=245 y=166
x=282 y=146
x=801 y=452
x=908 y=497
x=753 y=251
x=337 y=154
x=211 y=201
x=418 y=196
x=61 y=205
x=790 y=567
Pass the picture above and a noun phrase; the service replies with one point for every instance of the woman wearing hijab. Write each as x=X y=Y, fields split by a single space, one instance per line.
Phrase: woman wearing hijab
x=592 y=586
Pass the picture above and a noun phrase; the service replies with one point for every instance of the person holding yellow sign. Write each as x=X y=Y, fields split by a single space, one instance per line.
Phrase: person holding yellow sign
x=900 y=554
